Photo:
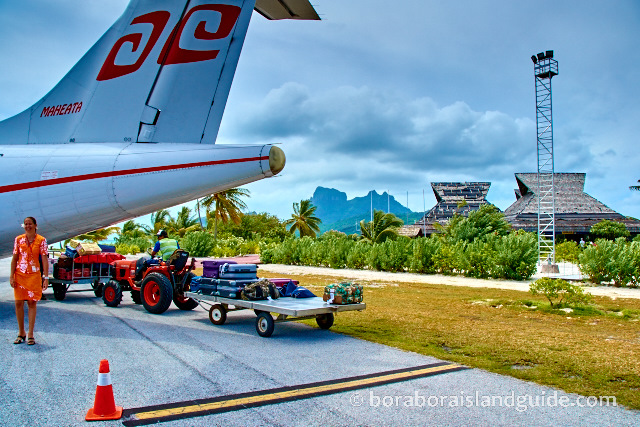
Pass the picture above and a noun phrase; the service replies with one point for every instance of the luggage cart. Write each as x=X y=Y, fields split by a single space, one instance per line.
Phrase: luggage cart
x=91 y=270
x=288 y=309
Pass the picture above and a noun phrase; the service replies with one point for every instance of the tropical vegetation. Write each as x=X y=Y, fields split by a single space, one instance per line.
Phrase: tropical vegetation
x=303 y=219
x=383 y=227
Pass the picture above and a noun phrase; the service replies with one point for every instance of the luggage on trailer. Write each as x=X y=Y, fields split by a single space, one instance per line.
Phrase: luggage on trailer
x=70 y=252
x=212 y=268
x=239 y=272
x=343 y=293
x=260 y=290
x=204 y=285
x=107 y=248
x=231 y=288
x=283 y=283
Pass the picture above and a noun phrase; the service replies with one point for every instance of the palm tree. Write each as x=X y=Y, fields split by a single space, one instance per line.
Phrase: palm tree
x=160 y=219
x=303 y=220
x=183 y=223
x=134 y=230
x=635 y=187
x=228 y=206
x=383 y=226
x=96 y=235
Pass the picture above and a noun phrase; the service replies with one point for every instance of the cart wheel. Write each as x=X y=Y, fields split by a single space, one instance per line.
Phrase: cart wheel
x=217 y=314
x=59 y=291
x=156 y=292
x=325 y=321
x=112 y=294
x=264 y=324
x=135 y=296
x=97 y=289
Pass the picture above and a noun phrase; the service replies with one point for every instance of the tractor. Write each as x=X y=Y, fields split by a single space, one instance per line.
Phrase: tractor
x=152 y=285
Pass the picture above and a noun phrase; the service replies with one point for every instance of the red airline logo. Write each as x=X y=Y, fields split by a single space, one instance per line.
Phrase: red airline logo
x=61 y=110
x=171 y=53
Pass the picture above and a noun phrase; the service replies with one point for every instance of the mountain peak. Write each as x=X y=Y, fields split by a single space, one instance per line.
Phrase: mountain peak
x=333 y=205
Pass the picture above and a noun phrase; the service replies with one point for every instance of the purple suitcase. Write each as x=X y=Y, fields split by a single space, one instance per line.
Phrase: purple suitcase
x=211 y=268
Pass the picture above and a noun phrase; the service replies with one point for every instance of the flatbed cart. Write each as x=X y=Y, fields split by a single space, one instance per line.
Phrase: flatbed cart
x=288 y=309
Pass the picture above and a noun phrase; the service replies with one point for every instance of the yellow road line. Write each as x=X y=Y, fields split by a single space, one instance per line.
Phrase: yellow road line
x=292 y=394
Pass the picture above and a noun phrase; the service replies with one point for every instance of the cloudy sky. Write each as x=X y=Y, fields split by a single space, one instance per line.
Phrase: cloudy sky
x=393 y=95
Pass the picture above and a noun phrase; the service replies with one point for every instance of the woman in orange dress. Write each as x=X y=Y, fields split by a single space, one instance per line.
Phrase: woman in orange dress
x=27 y=280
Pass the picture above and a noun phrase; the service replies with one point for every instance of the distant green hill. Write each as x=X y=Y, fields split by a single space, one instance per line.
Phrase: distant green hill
x=351 y=225
x=338 y=213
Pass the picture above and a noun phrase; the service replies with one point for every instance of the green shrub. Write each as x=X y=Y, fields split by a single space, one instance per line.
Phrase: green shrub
x=132 y=245
x=478 y=258
x=198 y=243
x=515 y=256
x=567 y=251
x=559 y=292
x=609 y=230
x=447 y=258
x=128 y=249
x=391 y=255
x=423 y=250
x=359 y=255
x=611 y=261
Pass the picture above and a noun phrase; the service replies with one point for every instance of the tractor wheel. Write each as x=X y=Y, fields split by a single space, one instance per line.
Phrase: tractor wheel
x=97 y=289
x=325 y=321
x=182 y=302
x=217 y=314
x=135 y=296
x=59 y=291
x=112 y=294
x=265 y=324
x=156 y=293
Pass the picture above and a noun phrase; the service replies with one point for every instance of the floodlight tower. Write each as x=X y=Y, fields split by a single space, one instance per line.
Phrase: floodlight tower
x=544 y=68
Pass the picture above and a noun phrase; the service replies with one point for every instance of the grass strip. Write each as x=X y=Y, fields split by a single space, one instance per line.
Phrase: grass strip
x=591 y=350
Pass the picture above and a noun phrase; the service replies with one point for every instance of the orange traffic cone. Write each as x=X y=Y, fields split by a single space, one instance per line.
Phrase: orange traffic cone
x=104 y=407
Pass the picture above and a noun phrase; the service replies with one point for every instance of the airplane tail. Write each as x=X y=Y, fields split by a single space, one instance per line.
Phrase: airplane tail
x=161 y=73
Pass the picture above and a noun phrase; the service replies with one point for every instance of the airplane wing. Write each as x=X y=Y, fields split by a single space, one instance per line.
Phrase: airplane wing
x=286 y=9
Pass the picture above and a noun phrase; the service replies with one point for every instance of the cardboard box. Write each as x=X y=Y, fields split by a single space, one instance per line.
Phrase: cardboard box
x=88 y=248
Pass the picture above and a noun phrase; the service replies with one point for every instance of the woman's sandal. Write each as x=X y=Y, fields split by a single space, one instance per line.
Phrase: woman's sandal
x=31 y=341
x=20 y=339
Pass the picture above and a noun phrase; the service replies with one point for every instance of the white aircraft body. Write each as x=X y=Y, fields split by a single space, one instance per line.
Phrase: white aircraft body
x=131 y=128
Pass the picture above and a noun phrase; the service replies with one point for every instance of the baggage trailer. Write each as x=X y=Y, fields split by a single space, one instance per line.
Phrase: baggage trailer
x=288 y=309
x=92 y=270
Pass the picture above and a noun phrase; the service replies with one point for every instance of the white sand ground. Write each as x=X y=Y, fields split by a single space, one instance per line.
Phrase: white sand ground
x=383 y=277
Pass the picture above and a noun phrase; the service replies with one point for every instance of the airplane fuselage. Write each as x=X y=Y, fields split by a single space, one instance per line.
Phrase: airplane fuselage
x=75 y=188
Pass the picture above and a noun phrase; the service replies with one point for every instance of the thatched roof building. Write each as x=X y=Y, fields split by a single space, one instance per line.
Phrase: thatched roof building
x=575 y=210
x=452 y=198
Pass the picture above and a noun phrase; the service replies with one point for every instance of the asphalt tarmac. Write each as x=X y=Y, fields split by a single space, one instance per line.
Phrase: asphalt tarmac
x=180 y=356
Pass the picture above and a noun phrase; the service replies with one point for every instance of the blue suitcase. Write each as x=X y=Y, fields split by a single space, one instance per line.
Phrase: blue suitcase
x=239 y=272
x=231 y=288
x=205 y=285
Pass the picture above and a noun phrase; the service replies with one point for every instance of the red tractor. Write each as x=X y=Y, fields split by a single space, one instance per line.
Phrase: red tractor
x=153 y=286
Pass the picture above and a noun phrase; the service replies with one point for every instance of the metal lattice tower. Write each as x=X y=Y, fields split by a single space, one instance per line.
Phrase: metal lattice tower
x=544 y=68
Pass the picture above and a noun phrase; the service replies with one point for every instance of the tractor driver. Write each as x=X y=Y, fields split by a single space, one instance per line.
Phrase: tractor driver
x=165 y=246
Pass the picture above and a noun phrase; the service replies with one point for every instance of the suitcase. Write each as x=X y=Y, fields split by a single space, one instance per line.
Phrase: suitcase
x=343 y=293
x=282 y=282
x=231 y=288
x=239 y=272
x=70 y=252
x=205 y=285
x=212 y=268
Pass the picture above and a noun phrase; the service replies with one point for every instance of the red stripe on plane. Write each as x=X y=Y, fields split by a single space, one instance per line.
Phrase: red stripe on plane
x=86 y=177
